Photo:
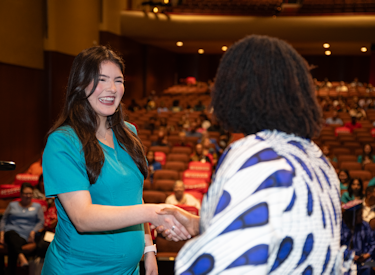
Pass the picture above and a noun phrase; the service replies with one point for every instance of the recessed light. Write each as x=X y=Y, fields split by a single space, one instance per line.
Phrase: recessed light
x=179 y=43
x=166 y=1
x=201 y=51
x=363 y=49
x=327 y=52
x=155 y=10
x=224 y=48
x=326 y=45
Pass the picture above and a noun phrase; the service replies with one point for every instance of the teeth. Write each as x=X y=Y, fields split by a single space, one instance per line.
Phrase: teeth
x=106 y=99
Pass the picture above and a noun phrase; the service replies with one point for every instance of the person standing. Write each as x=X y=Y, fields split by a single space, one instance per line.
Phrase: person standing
x=94 y=164
x=274 y=204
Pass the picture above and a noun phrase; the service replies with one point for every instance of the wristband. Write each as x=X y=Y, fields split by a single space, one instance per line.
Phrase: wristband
x=150 y=248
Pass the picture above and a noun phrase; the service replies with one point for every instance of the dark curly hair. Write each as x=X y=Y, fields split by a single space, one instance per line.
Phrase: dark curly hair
x=263 y=83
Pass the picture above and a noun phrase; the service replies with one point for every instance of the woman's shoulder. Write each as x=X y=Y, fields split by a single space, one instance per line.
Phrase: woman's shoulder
x=131 y=127
x=64 y=135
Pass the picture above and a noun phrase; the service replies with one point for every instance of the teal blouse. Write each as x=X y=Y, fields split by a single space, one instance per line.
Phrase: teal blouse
x=119 y=184
x=346 y=197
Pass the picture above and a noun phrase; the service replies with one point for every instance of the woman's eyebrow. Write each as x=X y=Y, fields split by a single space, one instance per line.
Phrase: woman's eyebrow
x=103 y=75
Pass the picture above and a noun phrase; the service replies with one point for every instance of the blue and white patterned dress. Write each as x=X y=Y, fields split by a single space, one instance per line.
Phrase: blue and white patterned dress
x=273 y=208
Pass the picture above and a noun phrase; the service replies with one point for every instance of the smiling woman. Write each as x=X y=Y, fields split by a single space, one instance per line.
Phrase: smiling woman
x=95 y=165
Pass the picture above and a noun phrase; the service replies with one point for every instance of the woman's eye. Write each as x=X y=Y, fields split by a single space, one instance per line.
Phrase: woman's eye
x=101 y=79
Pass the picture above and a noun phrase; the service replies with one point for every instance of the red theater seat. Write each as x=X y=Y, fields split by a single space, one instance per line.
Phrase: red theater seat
x=160 y=157
x=197 y=175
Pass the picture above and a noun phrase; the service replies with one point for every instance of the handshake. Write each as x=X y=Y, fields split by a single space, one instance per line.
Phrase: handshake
x=175 y=223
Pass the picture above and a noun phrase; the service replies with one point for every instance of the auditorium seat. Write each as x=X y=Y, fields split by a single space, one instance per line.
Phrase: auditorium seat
x=178 y=157
x=370 y=167
x=362 y=174
x=350 y=165
x=164 y=149
x=152 y=196
x=179 y=166
x=181 y=150
x=147 y=185
x=165 y=174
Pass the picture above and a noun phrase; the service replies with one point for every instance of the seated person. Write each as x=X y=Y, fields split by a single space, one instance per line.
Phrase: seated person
x=153 y=165
x=342 y=87
x=182 y=142
x=327 y=153
x=39 y=192
x=367 y=156
x=353 y=124
x=180 y=197
x=36 y=168
x=193 y=130
x=357 y=235
x=369 y=205
x=199 y=154
x=209 y=149
x=162 y=139
x=20 y=222
x=344 y=178
x=334 y=119
x=355 y=191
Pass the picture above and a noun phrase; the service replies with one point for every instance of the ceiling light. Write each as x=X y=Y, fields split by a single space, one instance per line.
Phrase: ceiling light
x=327 y=52
x=201 y=51
x=363 y=49
x=224 y=48
x=155 y=10
x=179 y=43
x=166 y=1
x=326 y=45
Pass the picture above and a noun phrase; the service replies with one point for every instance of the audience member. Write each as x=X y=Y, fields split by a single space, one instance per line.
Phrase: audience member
x=153 y=165
x=356 y=83
x=369 y=204
x=151 y=124
x=209 y=149
x=36 y=168
x=342 y=88
x=367 y=156
x=357 y=235
x=199 y=155
x=19 y=224
x=180 y=197
x=162 y=108
x=334 y=119
x=355 y=191
x=344 y=178
x=192 y=132
x=182 y=142
x=176 y=106
x=38 y=192
x=353 y=124
x=162 y=139
x=327 y=153
x=199 y=106
x=134 y=106
x=326 y=83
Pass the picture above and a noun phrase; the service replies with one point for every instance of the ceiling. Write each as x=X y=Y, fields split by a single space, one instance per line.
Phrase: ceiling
x=345 y=33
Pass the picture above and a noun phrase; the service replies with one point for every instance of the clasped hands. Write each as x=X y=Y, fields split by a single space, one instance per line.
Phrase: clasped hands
x=176 y=224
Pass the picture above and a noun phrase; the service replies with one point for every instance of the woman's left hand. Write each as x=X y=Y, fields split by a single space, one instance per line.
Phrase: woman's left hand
x=151 y=266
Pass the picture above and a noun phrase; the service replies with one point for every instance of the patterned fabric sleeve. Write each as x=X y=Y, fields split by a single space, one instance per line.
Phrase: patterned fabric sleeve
x=273 y=208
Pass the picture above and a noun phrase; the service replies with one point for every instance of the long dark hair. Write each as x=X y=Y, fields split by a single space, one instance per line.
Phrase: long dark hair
x=263 y=83
x=350 y=190
x=78 y=113
x=364 y=154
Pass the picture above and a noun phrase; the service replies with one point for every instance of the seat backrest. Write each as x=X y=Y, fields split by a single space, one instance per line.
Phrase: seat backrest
x=164 y=149
x=362 y=174
x=350 y=165
x=175 y=165
x=165 y=174
x=152 y=196
x=164 y=185
x=191 y=209
x=194 y=174
x=178 y=157
x=160 y=157
x=200 y=166
x=181 y=150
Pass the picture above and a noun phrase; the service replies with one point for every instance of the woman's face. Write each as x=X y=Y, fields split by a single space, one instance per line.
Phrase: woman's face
x=107 y=95
x=356 y=186
x=367 y=149
x=26 y=196
x=343 y=177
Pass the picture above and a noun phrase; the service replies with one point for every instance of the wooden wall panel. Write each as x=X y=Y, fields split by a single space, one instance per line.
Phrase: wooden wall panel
x=23 y=111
